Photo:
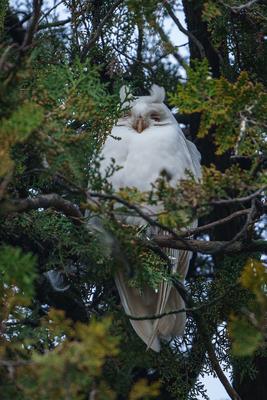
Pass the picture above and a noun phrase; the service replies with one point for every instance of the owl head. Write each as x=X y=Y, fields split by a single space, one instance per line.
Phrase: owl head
x=144 y=112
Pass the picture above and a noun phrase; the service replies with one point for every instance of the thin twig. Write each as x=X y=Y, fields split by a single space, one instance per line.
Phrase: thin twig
x=15 y=363
x=182 y=310
x=244 y=228
x=211 y=225
x=238 y=199
x=54 y=24
x=51 y=9
x=168 y=44
x=159 y=316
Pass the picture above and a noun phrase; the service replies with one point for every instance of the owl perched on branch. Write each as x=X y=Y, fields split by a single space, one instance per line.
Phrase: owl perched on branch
x=146 y=141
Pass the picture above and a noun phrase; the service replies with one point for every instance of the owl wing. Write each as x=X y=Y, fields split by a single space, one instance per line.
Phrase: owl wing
x=168 y=297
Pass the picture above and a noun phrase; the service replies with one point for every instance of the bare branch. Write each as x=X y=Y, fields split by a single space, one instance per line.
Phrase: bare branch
x=54 y=24
x=167 y=44
x=211 y=225
x=211 y=247
x=183 y=30
x=182 y=310
x=51 y=9
x=146 y=217
x=219 y=372
x=241 y=7
x=238 y=199
x=177 y=241
x=43 y=201
x=244 y=228
x=33 y=26
x=98 y=31
x=158 y=316
x=201 y=324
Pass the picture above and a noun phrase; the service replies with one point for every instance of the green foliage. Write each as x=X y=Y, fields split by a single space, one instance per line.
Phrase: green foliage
x=149 y=271
x=236 y=110
x=17 y=128
x=74 y=355
x=210 y=11
x=141 y=390
x=248 y=330
x=17 y=270
x=3 y=9
x=70 y=338
x=246 y=337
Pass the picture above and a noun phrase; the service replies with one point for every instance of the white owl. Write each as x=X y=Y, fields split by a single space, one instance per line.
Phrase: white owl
x=151 y=141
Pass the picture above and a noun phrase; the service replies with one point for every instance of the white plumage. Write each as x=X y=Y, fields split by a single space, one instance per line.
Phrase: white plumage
x=151 y=141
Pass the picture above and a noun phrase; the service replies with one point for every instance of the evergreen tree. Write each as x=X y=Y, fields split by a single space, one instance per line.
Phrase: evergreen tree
x=63 y=332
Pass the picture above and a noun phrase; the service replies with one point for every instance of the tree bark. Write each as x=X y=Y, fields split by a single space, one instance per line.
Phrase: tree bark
x=255 y=388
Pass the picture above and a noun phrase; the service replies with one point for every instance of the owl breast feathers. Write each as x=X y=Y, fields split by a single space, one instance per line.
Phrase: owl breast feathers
x=146 y=141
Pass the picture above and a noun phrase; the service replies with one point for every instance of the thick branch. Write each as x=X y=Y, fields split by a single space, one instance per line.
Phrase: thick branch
x=211 y=247
x=183 y=30
x=33 y=26
x=219 y=372
x=14 y=27
x=43 y=201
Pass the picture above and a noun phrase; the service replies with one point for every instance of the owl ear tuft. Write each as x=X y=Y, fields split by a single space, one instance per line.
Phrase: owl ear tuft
x=157 y=94
x=125 y=93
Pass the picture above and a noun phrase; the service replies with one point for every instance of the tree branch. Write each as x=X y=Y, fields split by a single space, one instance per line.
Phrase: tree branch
x=238 y=199
x=183 y=30
x=43 y=201
x=146 y=217
x=54 y=24
x=177 y=241
x=211 y=247
x=237 y=9
x=33 y=26
x=98 y=31
x=211 y=225
x=201 y=324
x=219 y=372
x=182 y=310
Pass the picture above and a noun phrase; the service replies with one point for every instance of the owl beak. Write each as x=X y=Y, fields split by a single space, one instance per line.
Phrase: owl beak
x=140 y=125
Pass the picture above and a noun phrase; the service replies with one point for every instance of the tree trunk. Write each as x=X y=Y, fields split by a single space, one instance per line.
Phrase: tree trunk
x=255 y=388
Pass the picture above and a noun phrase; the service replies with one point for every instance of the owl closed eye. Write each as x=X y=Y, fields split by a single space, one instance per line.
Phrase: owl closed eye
x=145 y=112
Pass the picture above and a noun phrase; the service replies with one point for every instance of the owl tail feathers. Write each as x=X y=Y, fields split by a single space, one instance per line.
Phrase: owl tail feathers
x=151 y=303
x=136 y=305
x=153 y=342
